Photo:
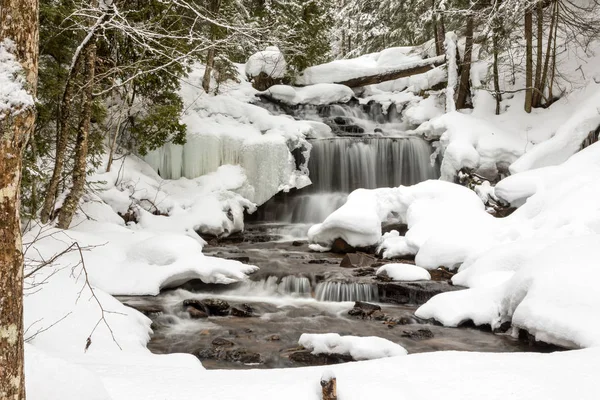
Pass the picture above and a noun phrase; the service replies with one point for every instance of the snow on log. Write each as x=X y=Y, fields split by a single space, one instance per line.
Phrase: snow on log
x=371 y=76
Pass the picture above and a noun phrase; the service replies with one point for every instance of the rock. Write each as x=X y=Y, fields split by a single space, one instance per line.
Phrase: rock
x=340 y=246
x=195 y=313
x=221 y=342
x=419 y=334
x=364 y=310
x=244 y=311
x=440 y=274
x=357 y=260
x=216 y=306
x=318 y=261
x=298 y=243
x=305 y=357
x=273 y=338
x=242 y=355
x=400 y=228
x=147 y=309
x=416 y=293
x=209 y=306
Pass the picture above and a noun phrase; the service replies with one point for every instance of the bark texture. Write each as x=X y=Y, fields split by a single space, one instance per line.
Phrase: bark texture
x=81 y=146
x=537 y=98
x=19 y=23
x=528 y=60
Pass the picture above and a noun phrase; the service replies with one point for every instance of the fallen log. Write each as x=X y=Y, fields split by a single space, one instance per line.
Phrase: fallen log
x=399 y=72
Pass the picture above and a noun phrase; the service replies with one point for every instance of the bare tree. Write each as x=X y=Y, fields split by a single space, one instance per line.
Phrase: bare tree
x=19 y=36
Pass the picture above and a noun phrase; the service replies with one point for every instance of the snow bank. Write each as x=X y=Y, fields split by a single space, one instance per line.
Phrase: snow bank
x=227 y=130
x=359 y=348
x=13 y=96
x=370 y=64
x=421 y=206
x=403 y=272
x=319 y=94
x=270 y=61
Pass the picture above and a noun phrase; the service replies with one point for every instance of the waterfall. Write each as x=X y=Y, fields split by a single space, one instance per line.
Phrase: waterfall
x=299 y=285
x=346 y=164
x=273 y=285
x=341 y=291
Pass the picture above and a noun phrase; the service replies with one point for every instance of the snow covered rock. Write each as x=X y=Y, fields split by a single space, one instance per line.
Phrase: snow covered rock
x=359 y=348
x=270 y=62
x=404 y=272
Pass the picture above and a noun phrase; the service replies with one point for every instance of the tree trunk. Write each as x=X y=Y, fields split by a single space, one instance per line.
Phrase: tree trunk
x=496 y=51
x=62 y=139
x=528 y=60
x=542 y=86
x=81 y=146
x=536 y=100
x=215 y=5
x=465 y=74
x=553 y=71
x=18 y=23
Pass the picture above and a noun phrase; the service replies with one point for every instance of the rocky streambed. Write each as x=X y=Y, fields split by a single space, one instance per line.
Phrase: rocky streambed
x=257 y=324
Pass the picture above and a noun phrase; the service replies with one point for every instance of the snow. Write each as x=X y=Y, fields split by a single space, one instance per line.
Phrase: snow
x=403 y=272
x=370 y=64
x=359 y=348
x=270 y=61
x=319 y=94
x=13 y=96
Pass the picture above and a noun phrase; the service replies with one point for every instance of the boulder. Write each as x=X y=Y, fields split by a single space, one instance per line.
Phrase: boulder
x=305 y=357
x=340 y=246
x=221 y=342
x=419 y=334
x=209 y=306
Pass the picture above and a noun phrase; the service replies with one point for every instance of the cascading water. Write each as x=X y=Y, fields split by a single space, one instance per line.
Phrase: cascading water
x=342 y=291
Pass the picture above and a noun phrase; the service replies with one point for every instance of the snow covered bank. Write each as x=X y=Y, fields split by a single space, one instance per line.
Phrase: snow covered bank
x=227 y=129
x=359 y=348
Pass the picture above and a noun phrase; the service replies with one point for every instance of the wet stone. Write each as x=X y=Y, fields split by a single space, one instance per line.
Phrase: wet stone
x=242 y=311
x=357 y=260
x=419 y=334
x=195 y=313
x=305 y=357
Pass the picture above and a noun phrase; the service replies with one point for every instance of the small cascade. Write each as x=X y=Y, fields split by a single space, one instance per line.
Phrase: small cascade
x=299 y=285
x=301 y=208
x=273 y=285
x=342 y=291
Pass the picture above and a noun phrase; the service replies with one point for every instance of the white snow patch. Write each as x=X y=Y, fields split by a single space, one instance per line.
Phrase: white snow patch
x=359 y=348
x=404 y=272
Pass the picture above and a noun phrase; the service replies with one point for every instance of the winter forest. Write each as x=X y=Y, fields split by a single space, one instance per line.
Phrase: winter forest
x=299 y=199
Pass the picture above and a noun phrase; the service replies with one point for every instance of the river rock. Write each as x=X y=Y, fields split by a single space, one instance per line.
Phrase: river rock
x=209 y=306
x=341 y=246
x=357 y=260
x=195 y=313
x=305 y=357
x=419 y=334
x=242 y=311
x=363 y=309
x=243 y=355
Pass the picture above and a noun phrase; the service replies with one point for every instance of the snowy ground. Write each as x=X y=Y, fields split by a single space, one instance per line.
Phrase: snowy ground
x=534 y=268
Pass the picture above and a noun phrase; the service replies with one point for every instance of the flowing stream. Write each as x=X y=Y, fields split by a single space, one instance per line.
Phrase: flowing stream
x=298 y=291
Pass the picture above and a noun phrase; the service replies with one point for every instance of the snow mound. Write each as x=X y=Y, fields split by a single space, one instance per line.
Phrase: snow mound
x=359 y=348
x=319 y=94
x=404 y=272
x=421 y=207
x=163 y=249
x=270 y=61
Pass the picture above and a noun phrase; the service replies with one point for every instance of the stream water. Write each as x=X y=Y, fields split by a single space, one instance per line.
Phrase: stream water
x=298 y=291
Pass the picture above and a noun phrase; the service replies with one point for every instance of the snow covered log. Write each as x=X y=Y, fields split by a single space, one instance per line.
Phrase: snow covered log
x=401 y=71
